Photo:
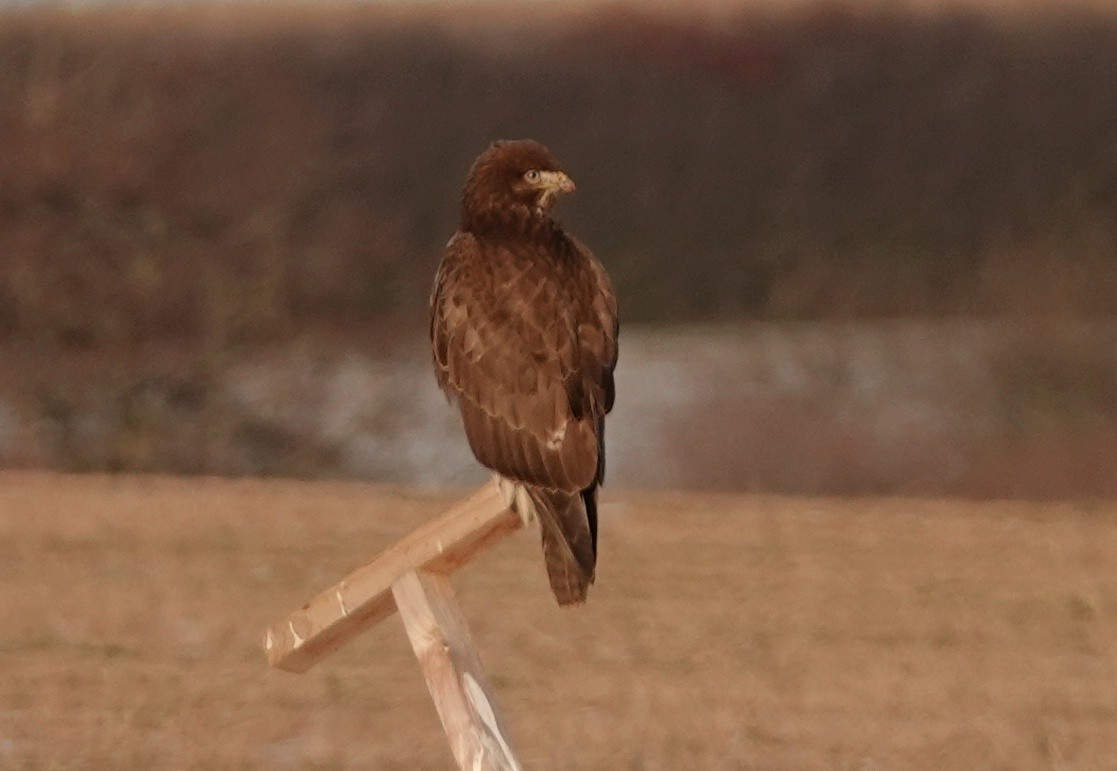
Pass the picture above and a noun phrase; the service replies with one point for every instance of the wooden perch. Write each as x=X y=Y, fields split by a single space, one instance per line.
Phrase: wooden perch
x=365 y=596
x=457 y=682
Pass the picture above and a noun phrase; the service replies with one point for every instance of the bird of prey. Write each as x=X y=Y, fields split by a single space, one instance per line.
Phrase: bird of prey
x=524 y=339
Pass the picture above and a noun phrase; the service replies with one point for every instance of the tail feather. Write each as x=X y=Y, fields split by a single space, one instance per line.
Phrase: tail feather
x=567 y=546
x=567 y=530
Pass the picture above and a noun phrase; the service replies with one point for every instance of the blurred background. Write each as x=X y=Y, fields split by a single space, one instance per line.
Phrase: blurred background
x=860 y=248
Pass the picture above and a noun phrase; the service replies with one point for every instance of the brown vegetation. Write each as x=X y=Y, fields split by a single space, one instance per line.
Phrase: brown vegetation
x=183 y=188
x=723 y=633
x=172 y=173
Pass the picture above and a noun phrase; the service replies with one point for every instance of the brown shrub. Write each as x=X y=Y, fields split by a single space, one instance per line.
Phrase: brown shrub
x=172 y=173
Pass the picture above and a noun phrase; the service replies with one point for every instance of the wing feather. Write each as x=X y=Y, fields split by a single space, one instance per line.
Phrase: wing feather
x=527 y=346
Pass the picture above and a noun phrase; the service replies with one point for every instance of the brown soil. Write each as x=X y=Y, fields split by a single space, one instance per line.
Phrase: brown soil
x=725 y=632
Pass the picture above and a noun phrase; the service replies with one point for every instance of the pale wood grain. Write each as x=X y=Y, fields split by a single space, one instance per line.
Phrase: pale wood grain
x=364 y=597
x=456 y=680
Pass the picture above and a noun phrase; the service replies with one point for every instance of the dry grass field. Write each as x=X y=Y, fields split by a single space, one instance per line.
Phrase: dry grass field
x=725 y=633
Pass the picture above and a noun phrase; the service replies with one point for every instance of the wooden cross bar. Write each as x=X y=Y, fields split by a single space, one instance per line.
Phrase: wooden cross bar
x=413 y=578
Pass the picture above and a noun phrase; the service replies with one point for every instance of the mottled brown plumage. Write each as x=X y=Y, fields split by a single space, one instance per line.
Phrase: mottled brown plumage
x=524 y=335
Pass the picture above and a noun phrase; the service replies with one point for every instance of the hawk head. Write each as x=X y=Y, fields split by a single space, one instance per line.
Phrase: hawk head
x=513 y=184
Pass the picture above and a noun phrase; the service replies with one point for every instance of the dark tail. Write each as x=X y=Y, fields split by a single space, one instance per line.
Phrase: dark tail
x=567 y=527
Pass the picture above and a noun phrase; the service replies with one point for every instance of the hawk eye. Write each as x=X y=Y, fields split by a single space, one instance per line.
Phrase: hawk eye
x=532 y=176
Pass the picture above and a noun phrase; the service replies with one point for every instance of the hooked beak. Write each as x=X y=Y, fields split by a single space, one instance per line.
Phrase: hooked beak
x=556 y=182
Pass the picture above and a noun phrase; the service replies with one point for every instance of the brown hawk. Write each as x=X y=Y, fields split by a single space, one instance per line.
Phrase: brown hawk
x=524 y=338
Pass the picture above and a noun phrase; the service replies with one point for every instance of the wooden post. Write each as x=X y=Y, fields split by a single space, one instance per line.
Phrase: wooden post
x=457 y=682
x=413 y=577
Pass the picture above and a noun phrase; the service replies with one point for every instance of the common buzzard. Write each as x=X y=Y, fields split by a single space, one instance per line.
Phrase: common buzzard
x=524 y=337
